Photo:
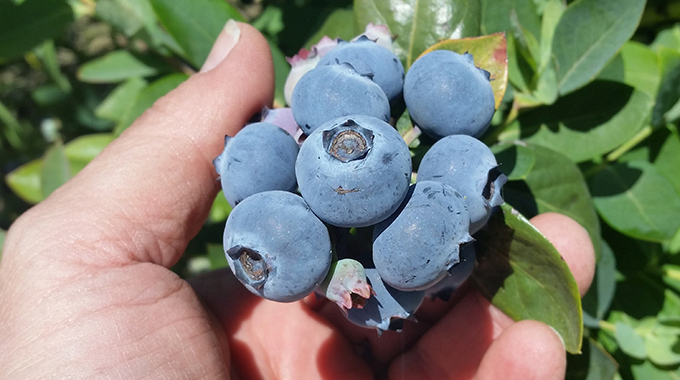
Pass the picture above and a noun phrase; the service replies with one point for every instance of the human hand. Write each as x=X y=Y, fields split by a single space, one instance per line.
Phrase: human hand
x=85 y=289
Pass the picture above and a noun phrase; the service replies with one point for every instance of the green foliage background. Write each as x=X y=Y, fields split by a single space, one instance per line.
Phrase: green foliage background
x=588 y=127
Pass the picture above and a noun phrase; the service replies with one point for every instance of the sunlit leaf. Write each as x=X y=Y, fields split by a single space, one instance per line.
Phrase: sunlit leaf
x=589 y=34
x=55 y=169
x=420 y=24
x=118 y=66
x=523 y=275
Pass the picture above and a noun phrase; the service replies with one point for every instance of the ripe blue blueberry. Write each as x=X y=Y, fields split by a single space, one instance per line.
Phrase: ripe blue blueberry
x=460 y=272
x=446 y=94
x=387 y=308
x=276 y=246
x=367 y=56
x=354 y=171
x=469 y=166
x=328 y=92
x=260 y=157
x=414 y=248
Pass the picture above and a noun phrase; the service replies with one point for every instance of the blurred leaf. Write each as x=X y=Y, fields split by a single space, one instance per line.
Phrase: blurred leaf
x=217 y=257
x=85 y=148
x=219 y=212
x=49 y=95
x=593 y=364
x=3 y=233
x=669 y=91
x=25 y=181
x=663 y=343
x=118 y=66
x=55 y=169
x=581 y=131
x=129 y=16
x=420 y=23
x=489 y=53
x=281 y=71
x=146 y=98
x=648 y=371
x=550 y=183
x=339 y=24
x=25 y=26
x=47 y=53
x=195 y=24
x=636 y=200
x=598 y=299
x=671 y=307
x=523 y=275
x=551 y=17
x=667 y=161
x=630 y=342
x=270 y=21
x=637 y=66
x=671 y=276
x=496 y=16
x=120 y=100
x=669 y=38
x=588 y=35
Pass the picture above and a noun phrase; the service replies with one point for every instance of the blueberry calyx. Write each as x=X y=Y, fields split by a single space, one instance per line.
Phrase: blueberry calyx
x=252 y=268
x=348 y=141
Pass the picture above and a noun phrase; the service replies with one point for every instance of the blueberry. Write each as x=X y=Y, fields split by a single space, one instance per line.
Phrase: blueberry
x=469 y=166
x=387 y=308
x=276 y=246
x=446 y=94
x=332 y=91
x=354 y=171
x=260 y=157
x=414 y=248
x=458 y=274
x=367 y=56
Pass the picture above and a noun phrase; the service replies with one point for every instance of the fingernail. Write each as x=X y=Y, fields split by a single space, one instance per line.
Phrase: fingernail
x=226 y=41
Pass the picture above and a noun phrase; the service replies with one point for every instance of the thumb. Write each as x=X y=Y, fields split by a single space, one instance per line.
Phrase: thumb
x=148 y=193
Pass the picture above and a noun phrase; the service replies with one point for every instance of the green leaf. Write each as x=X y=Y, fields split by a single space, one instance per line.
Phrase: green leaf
x=220 y=210
x=420 y=23
x=146 y=98
x=25 y=26
x=648 y=371
x=668 y=159
x=593 y=364
x=663 y=343
x=581 y=131
x=25 y=181
x=588 y=35
x=489 y=53
x=671 y=276
x=636 y=200
x=523 y=275
x=195 y=24
x=84 y=149
x=281 y=71
x=55 y=169
x=120 y=14
x=630 y=342
x=217 y=257
x=339 y=24
x=669 y=91
x=120 y=100
x=496 y=16
x=669 y=38
x=637 y=66
x=598 y=299
x=550 y=182
x=118 y=66
x=3 y=233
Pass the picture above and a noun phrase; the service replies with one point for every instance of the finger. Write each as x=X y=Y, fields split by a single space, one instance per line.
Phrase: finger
x=572 y=242
x=150 y=190
x=524 y=351
x=455 y=346
x=272 y=340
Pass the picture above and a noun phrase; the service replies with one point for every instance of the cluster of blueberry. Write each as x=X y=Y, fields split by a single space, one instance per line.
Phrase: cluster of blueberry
x=353 y=170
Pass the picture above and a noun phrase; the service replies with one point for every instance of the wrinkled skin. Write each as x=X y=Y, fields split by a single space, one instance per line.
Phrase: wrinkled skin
x=85 y=289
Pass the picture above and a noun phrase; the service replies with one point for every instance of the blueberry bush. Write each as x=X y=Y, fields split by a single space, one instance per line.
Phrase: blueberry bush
x=587 y=97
